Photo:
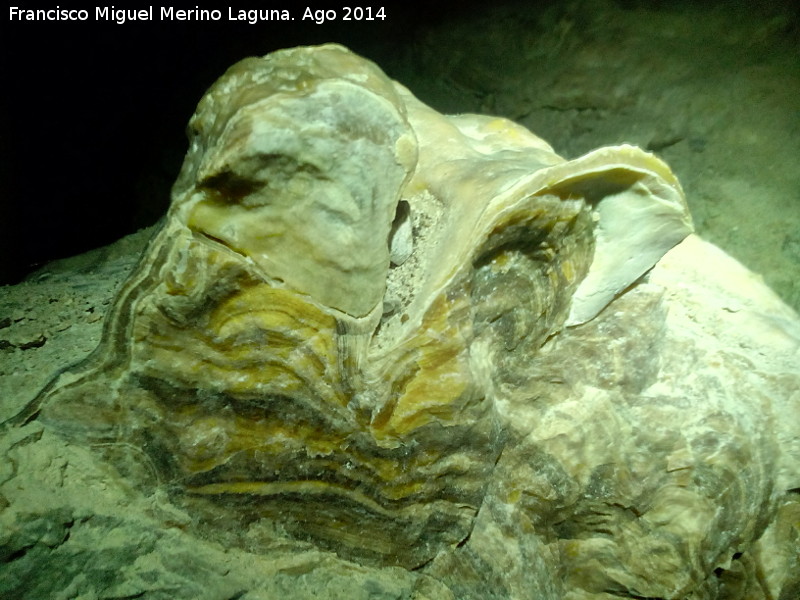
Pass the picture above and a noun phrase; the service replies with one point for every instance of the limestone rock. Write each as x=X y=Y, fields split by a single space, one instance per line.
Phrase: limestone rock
x=421 y=350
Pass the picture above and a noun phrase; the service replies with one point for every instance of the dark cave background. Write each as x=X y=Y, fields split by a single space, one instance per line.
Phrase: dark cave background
x=93 y=113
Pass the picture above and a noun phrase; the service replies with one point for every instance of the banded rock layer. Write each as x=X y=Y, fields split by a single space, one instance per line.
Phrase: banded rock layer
x=347 y=287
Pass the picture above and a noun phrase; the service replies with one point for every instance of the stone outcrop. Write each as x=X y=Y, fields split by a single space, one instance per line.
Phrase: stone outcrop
x=378 y=350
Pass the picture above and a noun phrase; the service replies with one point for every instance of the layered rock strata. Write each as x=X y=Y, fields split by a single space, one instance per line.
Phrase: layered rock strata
x=372 y=330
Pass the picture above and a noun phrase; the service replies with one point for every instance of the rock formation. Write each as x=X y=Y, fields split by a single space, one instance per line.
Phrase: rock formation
x=384 y=351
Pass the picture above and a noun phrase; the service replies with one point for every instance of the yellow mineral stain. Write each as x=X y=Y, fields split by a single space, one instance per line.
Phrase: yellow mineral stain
x=441 y=376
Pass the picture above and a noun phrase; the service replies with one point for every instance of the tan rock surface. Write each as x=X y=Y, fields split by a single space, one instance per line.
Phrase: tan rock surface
x=412 y=419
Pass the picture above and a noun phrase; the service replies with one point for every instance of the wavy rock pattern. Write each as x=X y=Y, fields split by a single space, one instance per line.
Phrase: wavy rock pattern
x=337 y=338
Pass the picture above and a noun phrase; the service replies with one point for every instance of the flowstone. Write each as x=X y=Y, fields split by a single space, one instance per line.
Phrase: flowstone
x=420 y=349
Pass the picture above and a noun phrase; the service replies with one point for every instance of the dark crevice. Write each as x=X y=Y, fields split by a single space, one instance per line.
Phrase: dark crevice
x=17 y=555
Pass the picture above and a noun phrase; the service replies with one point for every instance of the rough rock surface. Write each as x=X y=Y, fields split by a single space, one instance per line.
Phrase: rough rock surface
x=651 y=449
x=712 y=87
